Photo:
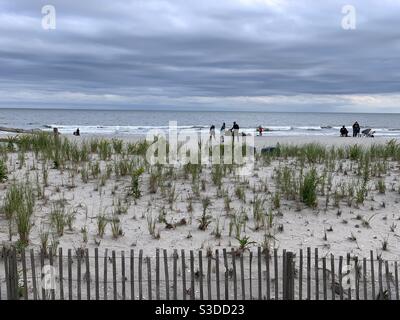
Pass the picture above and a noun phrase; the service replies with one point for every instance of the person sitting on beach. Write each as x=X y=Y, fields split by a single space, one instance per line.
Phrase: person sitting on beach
x=212 y=132
x=56 y=132
x=356 y=129
x=77 y=132
x=344 y=132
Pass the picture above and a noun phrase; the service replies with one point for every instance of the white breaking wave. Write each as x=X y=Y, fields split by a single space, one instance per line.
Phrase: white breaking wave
x=268 y=130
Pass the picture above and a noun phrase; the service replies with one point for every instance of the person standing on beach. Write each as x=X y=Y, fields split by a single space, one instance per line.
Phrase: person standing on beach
x=223 y=132
x=356 y=129
x=260 y=130
x=235 y=130
x=212 y=132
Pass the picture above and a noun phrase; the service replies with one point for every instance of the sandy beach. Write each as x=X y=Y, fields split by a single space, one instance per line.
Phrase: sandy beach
x=260 y=142
x=169 y=206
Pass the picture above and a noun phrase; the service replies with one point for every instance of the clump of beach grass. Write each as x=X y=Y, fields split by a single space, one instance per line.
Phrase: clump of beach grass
x=308 y=189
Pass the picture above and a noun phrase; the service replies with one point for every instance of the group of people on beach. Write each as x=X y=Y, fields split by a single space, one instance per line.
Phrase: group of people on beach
x=76 y=133
x=356 y=130
x=234 y=131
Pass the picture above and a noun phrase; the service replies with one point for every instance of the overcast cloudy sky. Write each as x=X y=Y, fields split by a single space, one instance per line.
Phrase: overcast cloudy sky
x=276 y=55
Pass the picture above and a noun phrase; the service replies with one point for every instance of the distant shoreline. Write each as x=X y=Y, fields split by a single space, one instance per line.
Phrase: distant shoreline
x=112 y=109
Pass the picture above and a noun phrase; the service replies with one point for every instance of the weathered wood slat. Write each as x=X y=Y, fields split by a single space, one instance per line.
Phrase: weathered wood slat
x=308 y=273
x=276 y=282
x=141 y=274
x=114 y=273
x=251 y=275
x=268 y=275
x=242 y=282
x=24 y=275
x=387 y=276
x=184 y=292
x=357 y=280
x=123 y=281
x=88 y=274
x=201 y=275
x=175 y=275
x=105 y=285
x=226 y=275
x=149 y=288
x=316 y=274
x=234 y=276
x=396 y=280
x=13 y=275
x=290 y=267
x=209 y=272
x=132 y=274
x=324 y=284
x=380 y=277
x=301 y=274
x=365 y=279
x=96 y=273
x=372 y=275
x=52 y=290
x=61 y=272
x=217 y=280
x=333 y=277
x=192 y=289
x=259 y=278
x=284 y=275
x=166 y=274
x=340 y=287
x=33 y=271
x=6 y=255
x=348 y=271
x=157 y=274
x=41 y=273
x=70 y=293
x=78 y=275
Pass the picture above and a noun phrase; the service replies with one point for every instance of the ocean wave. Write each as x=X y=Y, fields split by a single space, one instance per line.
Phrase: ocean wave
x=268 y=130
x=278 y=128
x=309 y=128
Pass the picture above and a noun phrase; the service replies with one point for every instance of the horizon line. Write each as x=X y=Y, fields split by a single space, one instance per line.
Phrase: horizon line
x=183 y=110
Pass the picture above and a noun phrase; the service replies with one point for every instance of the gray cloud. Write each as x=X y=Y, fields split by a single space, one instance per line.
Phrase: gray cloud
x=253 y=54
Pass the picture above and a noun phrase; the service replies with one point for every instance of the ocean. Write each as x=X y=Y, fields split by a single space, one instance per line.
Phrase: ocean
x=133 y=122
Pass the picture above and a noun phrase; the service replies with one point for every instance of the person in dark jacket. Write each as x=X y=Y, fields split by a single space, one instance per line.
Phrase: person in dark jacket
x=356 y=129
x=235 y=129
x=344 y=132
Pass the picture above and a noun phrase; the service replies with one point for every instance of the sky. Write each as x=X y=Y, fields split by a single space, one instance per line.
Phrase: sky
x=256 y=55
